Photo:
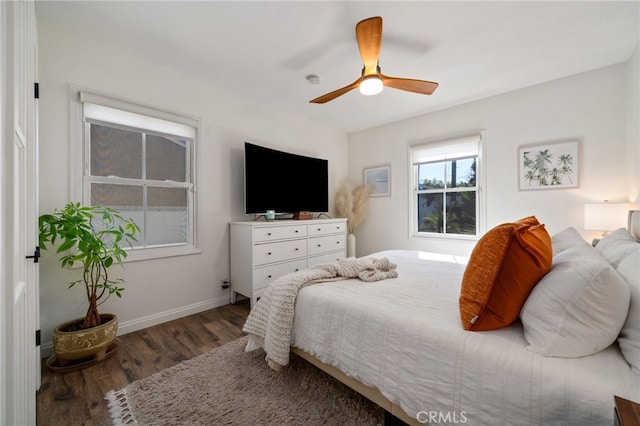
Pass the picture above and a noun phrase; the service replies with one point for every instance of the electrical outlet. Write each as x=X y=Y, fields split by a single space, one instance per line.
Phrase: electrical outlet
x=225 y=283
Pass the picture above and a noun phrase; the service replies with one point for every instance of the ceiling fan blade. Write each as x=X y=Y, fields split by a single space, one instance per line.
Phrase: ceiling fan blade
x=369 y=37
x=409 y=84
x=332 y=95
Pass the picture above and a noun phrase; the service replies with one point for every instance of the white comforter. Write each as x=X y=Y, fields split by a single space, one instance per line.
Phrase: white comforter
x=404 y=337
x=270 y=321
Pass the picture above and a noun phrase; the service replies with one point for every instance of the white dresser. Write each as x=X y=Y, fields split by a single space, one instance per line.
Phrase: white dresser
x=263 y=251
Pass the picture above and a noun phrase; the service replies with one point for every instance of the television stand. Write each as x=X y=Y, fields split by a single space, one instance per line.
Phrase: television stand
x=302 y=216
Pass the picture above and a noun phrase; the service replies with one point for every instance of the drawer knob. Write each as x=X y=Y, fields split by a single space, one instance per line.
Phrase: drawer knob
x=269 y=276
x=337 y=242
x=269 y=233
x=296 y=270
x=319 y=229
x=297 y=249
x=296 y=231
x=269 y=254
x=319 y=245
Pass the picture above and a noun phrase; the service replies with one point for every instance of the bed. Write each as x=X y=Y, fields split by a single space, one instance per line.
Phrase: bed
x=400 y=341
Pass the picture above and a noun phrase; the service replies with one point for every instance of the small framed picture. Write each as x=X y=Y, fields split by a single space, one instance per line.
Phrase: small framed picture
x=380 y=180
x=548 y=166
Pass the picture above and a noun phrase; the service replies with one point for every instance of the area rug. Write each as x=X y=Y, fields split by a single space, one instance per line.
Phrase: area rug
x=227 y=386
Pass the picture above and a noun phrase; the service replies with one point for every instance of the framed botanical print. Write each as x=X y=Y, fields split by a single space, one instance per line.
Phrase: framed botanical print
x=548 y=166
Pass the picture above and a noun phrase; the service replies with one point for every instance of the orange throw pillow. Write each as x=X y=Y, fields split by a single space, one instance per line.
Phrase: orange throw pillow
x=529 y=220
x=505 y=265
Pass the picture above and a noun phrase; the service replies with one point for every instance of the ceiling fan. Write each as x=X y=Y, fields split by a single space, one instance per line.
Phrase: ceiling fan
x=371 y=82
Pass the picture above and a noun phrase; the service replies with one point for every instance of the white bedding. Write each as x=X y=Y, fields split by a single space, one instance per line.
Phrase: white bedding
x=403 y=336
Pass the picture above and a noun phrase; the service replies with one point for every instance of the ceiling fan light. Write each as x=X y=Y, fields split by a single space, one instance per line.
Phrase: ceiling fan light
x=371 y=85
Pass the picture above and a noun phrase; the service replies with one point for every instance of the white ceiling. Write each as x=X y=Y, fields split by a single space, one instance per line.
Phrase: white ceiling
x=263 y=50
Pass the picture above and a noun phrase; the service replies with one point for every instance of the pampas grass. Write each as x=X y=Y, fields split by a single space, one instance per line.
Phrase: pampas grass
x=353 y=203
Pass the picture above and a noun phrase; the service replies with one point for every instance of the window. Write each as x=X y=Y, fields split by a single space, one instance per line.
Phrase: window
x=446 y=190
x=140 y=162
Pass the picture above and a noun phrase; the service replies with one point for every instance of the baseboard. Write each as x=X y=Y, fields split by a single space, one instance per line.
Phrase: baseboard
x=155 y=319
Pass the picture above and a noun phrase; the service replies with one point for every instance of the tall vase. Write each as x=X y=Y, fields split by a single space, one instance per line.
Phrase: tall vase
x=351 y=245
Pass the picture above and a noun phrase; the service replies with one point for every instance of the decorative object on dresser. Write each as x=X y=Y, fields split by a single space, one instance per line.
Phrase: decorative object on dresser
x=302 y=215
x=261 y=252
x=352 y=203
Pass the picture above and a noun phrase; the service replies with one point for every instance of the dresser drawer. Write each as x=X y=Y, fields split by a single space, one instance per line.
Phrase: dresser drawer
x=263 y=276
x=319 y=245
x=327 y=228
x=272 y=233
x=327 y=258
x=278 y=252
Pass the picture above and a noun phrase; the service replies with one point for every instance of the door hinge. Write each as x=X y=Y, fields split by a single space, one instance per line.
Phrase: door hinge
x=36 y=255
x=37 y=337
x=36 y=90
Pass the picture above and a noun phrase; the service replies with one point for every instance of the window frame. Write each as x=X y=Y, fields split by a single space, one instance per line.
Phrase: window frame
x=82 y=178
x=479 y=188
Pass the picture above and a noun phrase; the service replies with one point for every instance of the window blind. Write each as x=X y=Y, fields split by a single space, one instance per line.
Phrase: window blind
x=445 y=150
x=103 y=108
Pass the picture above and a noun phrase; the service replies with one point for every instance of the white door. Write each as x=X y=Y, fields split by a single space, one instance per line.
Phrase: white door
x=19 y=354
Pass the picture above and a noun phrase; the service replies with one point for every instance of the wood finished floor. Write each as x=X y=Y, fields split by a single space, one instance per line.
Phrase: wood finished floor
x=77 y=398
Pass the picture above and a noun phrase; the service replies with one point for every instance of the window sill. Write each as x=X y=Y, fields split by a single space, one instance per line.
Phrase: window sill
x=136 y=255
x=445 y=236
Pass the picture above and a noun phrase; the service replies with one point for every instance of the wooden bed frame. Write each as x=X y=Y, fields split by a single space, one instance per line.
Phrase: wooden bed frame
x=368 y=392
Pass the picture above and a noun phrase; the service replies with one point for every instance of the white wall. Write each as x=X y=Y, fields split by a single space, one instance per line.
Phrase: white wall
x=591 y=107
x=633 y=126
x=159 y=290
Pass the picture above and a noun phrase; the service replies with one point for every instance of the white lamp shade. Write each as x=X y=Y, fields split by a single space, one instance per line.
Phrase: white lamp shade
x=605 y=216
x=371 y=85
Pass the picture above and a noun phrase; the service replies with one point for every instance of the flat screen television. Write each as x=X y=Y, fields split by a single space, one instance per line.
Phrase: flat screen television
x=284 y=182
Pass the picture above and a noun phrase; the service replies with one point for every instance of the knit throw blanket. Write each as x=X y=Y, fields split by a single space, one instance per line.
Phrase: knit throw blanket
x=271 y=318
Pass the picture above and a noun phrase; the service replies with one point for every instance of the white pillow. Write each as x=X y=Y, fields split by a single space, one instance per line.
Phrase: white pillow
x=578 y=308
x=629 y=340
x=615 y=246
x=565 y=239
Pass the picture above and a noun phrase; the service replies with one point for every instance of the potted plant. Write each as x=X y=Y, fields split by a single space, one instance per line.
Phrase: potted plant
x=93 y=237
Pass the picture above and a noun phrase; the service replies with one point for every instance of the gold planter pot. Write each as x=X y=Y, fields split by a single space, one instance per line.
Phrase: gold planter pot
x=88 y=343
